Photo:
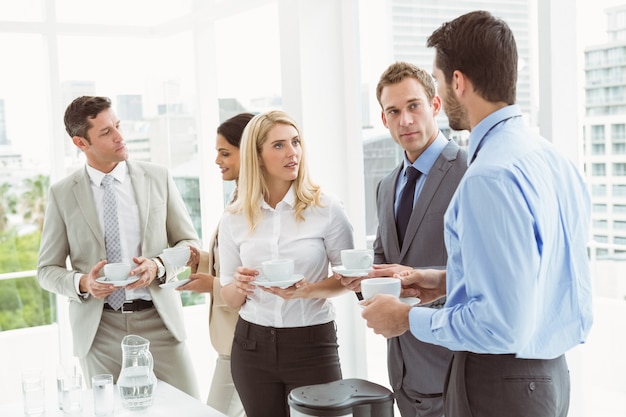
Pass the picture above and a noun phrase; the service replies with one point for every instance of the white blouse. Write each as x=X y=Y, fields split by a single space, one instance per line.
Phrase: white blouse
x=312 y=244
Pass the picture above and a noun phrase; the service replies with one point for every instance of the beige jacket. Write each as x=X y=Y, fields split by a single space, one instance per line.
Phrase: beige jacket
x=72 y=229
x=222 y=318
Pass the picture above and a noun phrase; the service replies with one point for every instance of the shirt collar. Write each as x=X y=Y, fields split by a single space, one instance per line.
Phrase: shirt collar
x=119 y=173
x=289 y=199
x=427 y=159
x=481 y=129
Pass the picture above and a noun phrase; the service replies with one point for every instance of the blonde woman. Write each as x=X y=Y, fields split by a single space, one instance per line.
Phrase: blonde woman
x=285 y=337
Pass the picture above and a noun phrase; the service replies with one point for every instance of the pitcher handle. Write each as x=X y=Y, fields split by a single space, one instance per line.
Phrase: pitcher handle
x=149 y=359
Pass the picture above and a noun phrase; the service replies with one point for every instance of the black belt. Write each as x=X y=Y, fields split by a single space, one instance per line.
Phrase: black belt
x=130 y=306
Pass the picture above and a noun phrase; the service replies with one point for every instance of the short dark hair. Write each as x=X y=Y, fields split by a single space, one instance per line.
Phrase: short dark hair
x=232 y=128
x=79 y=112
x=483 y=48
x=398 y=71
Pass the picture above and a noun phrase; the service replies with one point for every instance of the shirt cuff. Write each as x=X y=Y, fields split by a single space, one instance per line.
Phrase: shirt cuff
x=419 y=323
x=77 y=276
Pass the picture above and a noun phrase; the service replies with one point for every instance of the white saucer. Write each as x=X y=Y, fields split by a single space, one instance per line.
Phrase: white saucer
x=180 y=278
x=120 y=283
x=341 y=270
x=410 y=300
x=261 y=281
x=174 y=284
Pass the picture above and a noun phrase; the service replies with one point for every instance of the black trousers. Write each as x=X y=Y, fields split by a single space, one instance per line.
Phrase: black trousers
x=267 y=363
x=505 y=386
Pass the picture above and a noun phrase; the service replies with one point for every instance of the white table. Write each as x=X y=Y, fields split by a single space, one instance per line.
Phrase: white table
x=168 y=402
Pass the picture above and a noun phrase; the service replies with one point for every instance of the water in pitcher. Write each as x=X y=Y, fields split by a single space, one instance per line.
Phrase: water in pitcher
x=136 y=388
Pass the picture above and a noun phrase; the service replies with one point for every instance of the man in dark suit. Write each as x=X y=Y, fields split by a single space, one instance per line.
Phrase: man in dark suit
x=151 y=217
x=410 y=106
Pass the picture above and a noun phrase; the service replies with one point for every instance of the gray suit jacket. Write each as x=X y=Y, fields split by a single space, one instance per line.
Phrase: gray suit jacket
x=72 y=228
x=418 y=369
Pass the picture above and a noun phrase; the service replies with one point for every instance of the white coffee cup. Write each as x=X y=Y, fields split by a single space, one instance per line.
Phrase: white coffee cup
x=357 y=258
x=177 y=256
x=372 y=286
x=116 y=271
x=278 y=269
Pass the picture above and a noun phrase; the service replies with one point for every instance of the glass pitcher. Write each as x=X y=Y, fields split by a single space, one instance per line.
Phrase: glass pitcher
x=137 y=380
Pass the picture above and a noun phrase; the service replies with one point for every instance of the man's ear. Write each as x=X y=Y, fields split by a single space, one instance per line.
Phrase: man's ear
x=460 y=83
x=80 y=142
x=384 y=119
x=436 y=105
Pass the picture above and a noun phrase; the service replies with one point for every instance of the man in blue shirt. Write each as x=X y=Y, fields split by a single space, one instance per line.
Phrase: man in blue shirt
x=517 y=278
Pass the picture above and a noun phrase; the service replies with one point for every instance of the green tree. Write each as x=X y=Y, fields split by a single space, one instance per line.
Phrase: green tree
x=33 y=200
x=23 y=303
x=7 y=206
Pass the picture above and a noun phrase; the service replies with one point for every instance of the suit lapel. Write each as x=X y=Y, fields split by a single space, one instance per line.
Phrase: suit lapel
x=433 y=180
x=141 y=187
x=388 y=216
x=85 y=203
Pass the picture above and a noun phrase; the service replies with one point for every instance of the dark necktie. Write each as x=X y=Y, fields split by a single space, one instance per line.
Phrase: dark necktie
x=112 y=236
x=405 y=207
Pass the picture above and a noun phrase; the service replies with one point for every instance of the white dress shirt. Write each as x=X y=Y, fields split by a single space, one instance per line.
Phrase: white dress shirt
x=128 y=217
x=313 y=244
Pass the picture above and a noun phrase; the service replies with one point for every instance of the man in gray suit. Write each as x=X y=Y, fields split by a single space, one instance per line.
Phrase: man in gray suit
x=152 y=216
x=410 y=106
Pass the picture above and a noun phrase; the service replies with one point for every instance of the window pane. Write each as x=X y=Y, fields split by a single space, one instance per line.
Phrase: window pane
x=619 y=169
x=619 y=225
x=619 y=190
x=618 y=133
x=21 y=10
x=600 y=224
x=121 y=12
x=598 y=170
x=598 y=190
x=24 y=179
x=597 y=149
x=597 y=133
x=599 y=208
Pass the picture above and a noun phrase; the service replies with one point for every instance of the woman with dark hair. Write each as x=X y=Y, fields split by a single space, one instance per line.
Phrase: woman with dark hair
x=222 y=319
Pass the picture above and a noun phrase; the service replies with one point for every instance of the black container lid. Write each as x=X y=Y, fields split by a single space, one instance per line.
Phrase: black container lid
x=339 y=398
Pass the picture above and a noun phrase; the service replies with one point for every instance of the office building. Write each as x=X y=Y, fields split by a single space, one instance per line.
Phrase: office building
x=604 y=134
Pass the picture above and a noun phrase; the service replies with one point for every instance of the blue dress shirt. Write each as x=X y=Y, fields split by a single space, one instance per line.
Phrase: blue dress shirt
x=516 y=231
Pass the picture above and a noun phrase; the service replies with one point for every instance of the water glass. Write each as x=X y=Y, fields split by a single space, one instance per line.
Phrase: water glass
x=103 y=396
x=33 y=388
x=72 y=395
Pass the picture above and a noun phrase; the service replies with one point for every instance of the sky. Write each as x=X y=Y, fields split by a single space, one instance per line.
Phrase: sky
x=592 y=20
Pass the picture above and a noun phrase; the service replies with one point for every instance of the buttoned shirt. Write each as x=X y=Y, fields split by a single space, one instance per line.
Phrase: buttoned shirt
x=313 y=244
x=516 y=232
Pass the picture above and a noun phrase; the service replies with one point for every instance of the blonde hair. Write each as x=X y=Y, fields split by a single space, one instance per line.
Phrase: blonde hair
x=252 y=186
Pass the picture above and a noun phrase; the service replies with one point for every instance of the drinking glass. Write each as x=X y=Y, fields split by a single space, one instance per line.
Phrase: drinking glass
x=72 y=395
x=103 y=396
x=34 y=392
